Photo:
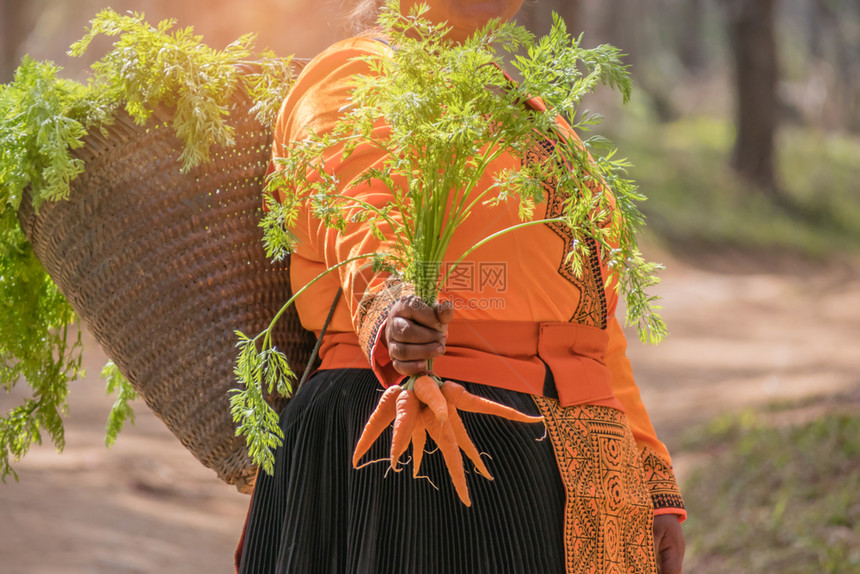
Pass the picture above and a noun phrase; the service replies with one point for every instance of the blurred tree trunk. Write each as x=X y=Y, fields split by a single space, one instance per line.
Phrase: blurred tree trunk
x=537 y=16
x=691 y=49
x=631 y=25
x=814 y=25
x=753 y=42
x=13 y=32
x=619 y=25
x=833 y=39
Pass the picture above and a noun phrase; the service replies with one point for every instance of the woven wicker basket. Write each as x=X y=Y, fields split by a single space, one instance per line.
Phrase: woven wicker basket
x=163 y=266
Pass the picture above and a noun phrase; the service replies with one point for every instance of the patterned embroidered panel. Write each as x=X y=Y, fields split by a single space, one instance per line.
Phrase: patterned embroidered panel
x=373 y=310
x=660 y=480
x=608 y=511
x=592 y=308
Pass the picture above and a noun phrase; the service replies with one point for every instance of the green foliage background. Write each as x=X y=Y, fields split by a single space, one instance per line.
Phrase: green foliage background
x=779 y=493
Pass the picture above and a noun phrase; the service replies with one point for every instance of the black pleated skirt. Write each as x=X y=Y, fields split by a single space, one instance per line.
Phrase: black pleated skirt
x=317 y=514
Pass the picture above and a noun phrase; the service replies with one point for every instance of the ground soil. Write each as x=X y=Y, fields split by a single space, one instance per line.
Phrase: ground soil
x=741 y=336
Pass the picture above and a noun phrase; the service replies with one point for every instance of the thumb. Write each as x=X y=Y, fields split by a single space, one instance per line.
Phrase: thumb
x=444 y=313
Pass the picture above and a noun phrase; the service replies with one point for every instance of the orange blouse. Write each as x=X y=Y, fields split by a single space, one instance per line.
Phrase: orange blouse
x=519 y=308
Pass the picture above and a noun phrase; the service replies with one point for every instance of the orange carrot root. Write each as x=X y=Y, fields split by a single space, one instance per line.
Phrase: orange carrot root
x=419 y=438
x=431 y=409
x=444 y=437
x=406 y=414
x=466 y=443
x=379 y=419
x=459 y=397
x=428 y=392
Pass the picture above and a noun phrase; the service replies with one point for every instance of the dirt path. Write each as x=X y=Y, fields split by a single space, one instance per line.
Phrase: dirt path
x=147 y=506
x=143 y=506
x=748 y=340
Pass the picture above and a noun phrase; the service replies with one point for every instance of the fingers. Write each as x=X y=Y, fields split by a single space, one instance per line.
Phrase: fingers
x=416 y=332
x=405 y=330
x=412 y=359
x=417 y=311
x=658 y=543
x=670 y=561
x=669 y=544
x=444 y=313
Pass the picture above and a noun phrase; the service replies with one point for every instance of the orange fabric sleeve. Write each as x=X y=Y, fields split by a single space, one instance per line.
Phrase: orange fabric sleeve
x=656 y=461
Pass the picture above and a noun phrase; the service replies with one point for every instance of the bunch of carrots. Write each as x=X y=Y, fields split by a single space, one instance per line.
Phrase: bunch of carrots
x=425 y=405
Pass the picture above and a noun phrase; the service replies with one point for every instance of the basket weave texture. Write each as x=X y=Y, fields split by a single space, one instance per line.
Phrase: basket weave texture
x=163 y=266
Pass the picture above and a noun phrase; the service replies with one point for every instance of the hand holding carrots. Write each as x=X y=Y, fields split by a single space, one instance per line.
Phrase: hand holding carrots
x=424 y=404
x=416 y=332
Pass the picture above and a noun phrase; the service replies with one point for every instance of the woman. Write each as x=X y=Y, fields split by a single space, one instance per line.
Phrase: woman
x=592 y=492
